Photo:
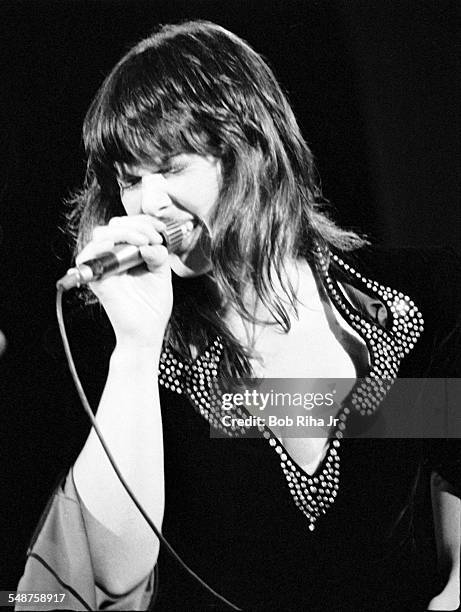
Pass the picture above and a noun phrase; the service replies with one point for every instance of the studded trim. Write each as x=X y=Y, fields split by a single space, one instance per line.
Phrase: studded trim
x=312 y=494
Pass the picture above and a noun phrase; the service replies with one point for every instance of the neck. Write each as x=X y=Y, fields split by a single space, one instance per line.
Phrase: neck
x=304 y=282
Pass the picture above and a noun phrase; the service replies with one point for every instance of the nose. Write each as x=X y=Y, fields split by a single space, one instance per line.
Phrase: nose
x=154 y=197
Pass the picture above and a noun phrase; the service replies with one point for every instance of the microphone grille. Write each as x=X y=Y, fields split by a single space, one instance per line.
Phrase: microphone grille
x=173 y=235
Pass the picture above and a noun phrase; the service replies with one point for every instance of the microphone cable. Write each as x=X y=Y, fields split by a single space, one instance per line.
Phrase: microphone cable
x=89 y=412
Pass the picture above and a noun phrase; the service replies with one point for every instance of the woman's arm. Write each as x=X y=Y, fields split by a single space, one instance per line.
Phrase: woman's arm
x=122 y=546
x=130 y=420
x=92 y=543
x=446 y=506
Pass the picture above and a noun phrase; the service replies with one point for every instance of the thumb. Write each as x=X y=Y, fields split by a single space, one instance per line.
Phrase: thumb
x=154 y=256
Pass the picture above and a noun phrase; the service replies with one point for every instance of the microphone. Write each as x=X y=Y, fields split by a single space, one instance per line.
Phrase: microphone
x=122 y=257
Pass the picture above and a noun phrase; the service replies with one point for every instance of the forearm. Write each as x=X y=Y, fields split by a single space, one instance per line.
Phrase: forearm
x=447 y=525
x=130 y=420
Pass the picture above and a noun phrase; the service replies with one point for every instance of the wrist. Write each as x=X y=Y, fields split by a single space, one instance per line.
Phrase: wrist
x=132 y=355
x=453 y=578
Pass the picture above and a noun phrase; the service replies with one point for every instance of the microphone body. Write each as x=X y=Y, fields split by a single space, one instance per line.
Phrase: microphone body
x=121 y=258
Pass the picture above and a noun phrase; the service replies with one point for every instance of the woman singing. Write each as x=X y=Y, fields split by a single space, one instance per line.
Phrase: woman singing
x=191 y=126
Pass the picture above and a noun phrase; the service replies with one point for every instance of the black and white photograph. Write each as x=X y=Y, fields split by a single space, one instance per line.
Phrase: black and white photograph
x=230 y=305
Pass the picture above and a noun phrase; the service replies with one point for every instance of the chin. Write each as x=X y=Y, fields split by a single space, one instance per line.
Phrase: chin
x=181 y=269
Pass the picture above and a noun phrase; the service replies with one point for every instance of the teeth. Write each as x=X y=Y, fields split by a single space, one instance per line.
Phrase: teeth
x=187 y=227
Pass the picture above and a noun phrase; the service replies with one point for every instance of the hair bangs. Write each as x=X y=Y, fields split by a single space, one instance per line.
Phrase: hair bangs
x=131 y=124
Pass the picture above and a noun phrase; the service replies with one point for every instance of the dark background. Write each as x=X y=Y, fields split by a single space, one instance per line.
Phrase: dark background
x=373 y=84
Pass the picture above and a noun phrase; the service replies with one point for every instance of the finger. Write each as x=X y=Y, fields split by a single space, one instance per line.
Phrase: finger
x=93 y=249
x=138 y=221
x=145 y=224
x=130 y=235
x=154 y=256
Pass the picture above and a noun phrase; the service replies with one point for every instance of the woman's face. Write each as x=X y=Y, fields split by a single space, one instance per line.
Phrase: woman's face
x=187 y=189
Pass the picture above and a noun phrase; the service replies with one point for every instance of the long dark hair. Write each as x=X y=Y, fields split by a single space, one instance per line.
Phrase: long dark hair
x=197 y=88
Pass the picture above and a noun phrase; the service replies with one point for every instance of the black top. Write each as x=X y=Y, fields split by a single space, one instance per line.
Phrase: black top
x=230 y=511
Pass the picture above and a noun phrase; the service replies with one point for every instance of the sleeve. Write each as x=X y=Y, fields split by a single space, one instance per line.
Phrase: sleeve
x=444 y=454
x=445 y=459
x=432 y=277
x=59 y=560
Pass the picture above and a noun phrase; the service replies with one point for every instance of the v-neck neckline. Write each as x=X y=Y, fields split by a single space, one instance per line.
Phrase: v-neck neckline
x=314 y=493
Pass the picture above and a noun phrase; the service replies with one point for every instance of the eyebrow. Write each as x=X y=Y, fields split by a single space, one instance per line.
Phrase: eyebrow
x=124 y=173
x=127 y=170
x=123 y=170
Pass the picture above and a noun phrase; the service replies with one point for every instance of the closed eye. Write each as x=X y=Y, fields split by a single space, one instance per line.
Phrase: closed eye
x=128 y=181
x=172 y=168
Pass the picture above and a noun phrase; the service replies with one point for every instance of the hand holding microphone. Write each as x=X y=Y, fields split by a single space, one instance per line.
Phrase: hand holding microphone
x=122 y=257
x=138 y=300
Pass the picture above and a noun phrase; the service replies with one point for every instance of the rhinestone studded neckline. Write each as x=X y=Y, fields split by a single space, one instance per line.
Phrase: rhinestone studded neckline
x=312 y=494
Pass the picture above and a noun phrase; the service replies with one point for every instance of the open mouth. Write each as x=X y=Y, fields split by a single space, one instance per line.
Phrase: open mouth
x=192 y=251
x=192 y=230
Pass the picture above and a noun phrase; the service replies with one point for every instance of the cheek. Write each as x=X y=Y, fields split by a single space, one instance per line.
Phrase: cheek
x=131 y=202
x=203 y=199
